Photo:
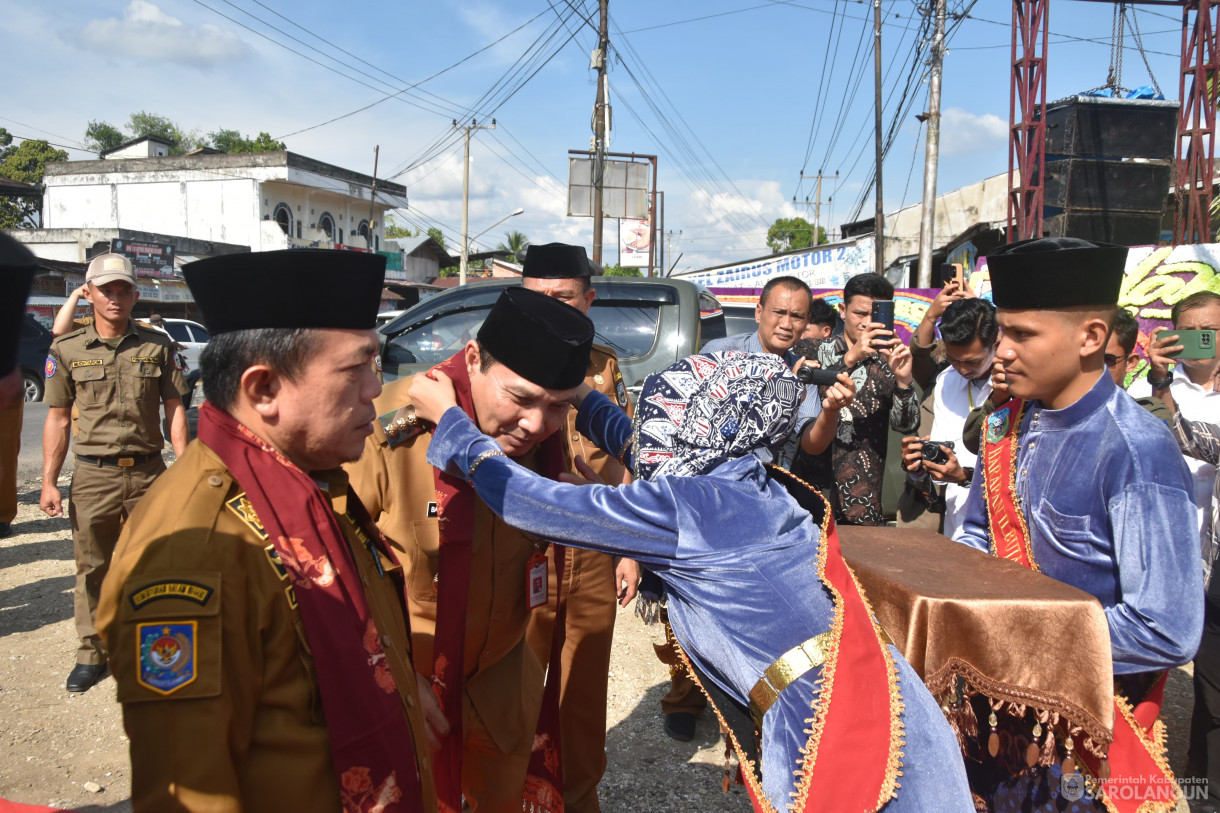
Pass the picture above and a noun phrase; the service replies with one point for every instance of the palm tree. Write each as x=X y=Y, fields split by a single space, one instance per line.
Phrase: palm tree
x=514 y=243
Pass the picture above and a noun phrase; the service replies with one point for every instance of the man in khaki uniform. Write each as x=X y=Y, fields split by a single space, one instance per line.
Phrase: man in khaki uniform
x=17 y=267
x=117 y=374
x=237 y=692
x=592 y=582
x=512 y=385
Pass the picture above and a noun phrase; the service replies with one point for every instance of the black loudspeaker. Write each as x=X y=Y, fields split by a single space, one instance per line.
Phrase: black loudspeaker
x=1109 y=168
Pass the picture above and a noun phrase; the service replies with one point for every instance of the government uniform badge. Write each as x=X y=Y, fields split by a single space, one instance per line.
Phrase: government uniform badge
x=620 y=390
x=166 y=655
x=997 y=425
x=50 y=366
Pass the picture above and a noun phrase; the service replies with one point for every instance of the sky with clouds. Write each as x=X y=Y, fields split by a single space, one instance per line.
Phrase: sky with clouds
x=736 y=97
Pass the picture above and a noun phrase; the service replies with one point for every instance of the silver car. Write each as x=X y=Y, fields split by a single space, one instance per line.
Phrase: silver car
x=649 y=323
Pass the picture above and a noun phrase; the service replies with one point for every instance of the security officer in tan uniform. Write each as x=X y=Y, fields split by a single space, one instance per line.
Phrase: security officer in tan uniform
x=241 y=582
x=117 y=374
x=592 y=582
x=508 y=375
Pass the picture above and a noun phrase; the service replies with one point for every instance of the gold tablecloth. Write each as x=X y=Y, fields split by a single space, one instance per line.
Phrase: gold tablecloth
x=1013 y=634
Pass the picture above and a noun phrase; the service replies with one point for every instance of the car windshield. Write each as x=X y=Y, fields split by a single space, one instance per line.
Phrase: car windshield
x=629 y=328
x=178 y=331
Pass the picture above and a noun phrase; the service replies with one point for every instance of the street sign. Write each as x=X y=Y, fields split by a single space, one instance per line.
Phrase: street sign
x=625 y=188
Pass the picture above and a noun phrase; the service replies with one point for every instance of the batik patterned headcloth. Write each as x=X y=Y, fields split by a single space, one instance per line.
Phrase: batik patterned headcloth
x=705 y=410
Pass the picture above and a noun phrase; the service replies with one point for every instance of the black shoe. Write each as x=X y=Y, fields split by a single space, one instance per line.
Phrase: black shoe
x=5 y=529
x=680 y=725
x=84 y=675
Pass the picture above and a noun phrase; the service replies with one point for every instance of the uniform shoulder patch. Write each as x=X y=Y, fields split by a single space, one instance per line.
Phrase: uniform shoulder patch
x=51 y=367
x=171 y=588
x=620 y=391
x=241 y=506
x=166 y=654
x=401 y=424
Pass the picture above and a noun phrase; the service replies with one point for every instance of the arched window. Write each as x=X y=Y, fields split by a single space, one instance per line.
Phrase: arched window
x=326 y=223
x=283 y=216
x=363 y=230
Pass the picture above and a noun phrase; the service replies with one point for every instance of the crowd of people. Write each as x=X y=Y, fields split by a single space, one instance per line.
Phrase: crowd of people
x=402 y=598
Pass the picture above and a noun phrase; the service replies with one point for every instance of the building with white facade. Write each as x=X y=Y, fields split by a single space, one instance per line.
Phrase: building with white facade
x=266 y=201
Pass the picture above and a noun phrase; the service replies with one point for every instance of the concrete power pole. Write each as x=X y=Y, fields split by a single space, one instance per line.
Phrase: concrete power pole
x=927 y=224
x=474 y=125
x=600 y=114
x=879 y=261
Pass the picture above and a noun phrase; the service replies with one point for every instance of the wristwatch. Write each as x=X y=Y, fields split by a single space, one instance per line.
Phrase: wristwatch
x=969 y=472
x=1160 y=383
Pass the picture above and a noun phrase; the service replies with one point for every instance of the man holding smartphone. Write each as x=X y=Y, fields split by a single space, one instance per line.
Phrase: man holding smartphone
x=1192 y=382
x=970 y=334
x=850 y=471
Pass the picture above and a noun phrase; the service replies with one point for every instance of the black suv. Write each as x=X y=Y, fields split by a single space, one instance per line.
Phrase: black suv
x=32 y=356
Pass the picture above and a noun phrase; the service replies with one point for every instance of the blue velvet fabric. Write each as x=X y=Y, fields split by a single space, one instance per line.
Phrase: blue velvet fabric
x=738 y=558
x=1110 y=510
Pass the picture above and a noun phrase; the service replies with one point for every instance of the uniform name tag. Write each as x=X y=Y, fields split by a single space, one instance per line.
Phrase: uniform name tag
x=87 y=363
x=536 y=582
x=147 y=359
x=191 y=591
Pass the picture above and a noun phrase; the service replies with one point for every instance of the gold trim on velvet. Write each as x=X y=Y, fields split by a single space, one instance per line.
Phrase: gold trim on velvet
x=831 y=647
x=787 y=668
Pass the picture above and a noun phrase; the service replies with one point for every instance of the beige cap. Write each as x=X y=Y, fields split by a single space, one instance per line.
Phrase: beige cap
x=110 y=268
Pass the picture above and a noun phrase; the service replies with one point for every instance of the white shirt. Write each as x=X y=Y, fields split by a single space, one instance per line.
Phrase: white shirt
x=952 y=401
x=1195 y=404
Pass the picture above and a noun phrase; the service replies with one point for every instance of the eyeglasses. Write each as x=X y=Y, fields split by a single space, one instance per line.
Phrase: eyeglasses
x=1114 y=361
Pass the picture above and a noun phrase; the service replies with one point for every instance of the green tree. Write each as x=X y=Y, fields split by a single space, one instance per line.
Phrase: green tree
x=26 y=163
x=393 y=230
x=144 y=123
x=101 y=136
x=620 y=271
x=232 y=141
x=514 y=243
x=790 y=234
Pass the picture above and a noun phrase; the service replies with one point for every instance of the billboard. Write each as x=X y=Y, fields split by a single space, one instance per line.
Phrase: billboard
x=634 y=242
x=828 y=266
x=148 y=259
x=625 y=188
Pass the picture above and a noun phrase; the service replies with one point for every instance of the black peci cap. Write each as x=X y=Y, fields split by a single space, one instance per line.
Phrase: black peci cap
x=1056 y=272
x=541 y=339
x=556 y=261
x=293 y=288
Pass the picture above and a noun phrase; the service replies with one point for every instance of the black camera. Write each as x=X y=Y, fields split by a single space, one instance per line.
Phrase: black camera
x=931 y=451
x=816 y=375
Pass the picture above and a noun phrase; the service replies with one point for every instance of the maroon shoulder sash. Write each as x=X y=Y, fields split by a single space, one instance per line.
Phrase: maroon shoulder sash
x=371 y=742
x=543 y=790
x=1134 y=775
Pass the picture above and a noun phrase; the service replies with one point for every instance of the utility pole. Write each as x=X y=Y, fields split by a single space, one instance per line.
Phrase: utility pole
x=474 y=125
x=879 y=262
x=373 y=195
x=817 y=206
x=600 y=115
x=669 y=247
x=658 y=230
x=927 y=223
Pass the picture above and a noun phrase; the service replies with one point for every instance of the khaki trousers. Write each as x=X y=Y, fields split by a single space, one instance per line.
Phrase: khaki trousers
x=10 y=448
x=589 y=598
x=102 y=497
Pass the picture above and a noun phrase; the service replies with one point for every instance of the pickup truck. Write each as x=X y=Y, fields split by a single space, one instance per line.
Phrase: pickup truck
x=649 y=323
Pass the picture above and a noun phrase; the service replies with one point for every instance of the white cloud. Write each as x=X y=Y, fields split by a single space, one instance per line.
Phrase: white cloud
x=964 y=133
x=147 y=33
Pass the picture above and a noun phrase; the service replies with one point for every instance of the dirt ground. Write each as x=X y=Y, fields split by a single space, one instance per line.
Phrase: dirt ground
x=70 y=750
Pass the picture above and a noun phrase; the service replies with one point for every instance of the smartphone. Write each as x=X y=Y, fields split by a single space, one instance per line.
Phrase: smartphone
x=883 y=312
x=1196 y=344
x=951 y=272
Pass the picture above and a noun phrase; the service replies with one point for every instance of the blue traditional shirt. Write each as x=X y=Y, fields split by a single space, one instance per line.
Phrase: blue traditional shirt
x=738 y=556
x=1108 y=503
x=809 y=409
